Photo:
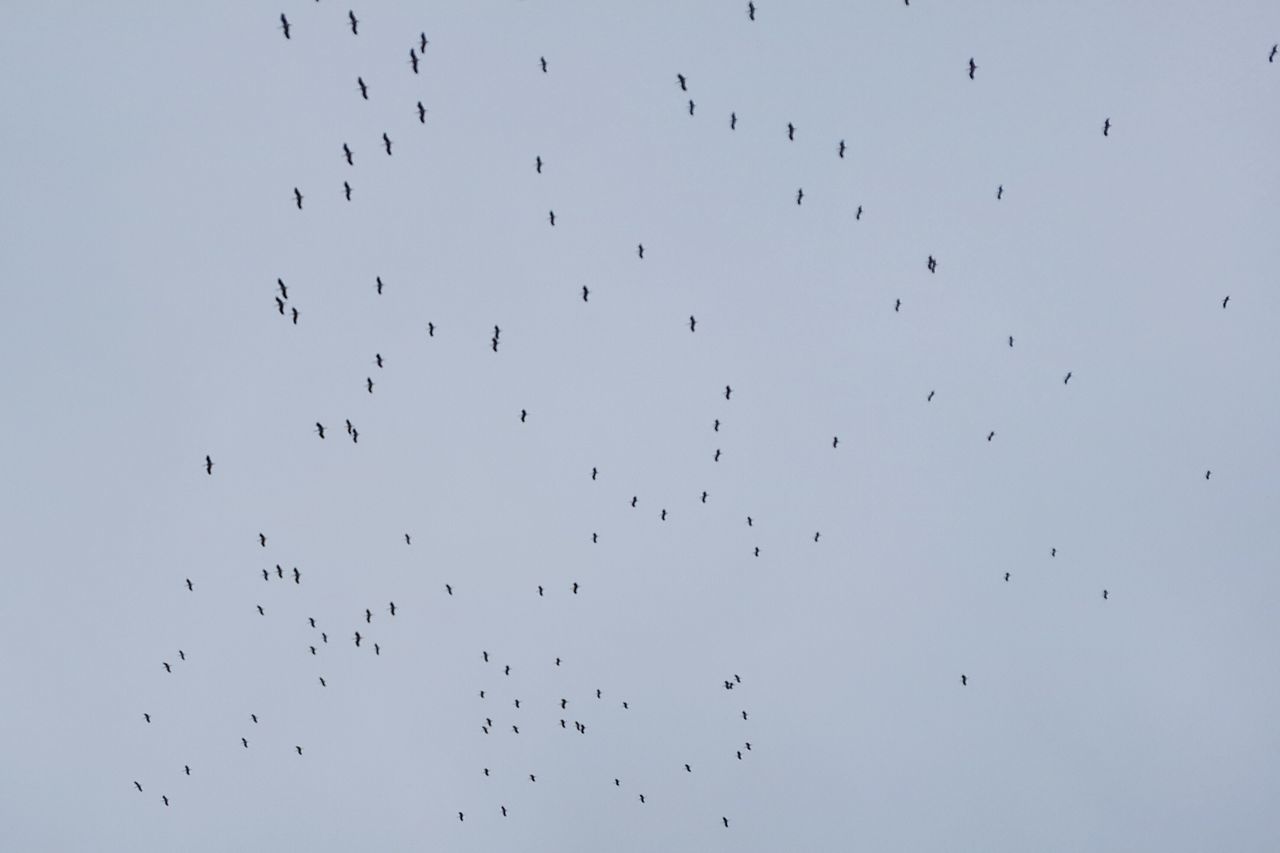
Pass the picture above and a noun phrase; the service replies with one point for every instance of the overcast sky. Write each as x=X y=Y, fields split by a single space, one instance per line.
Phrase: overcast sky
x=151 y=151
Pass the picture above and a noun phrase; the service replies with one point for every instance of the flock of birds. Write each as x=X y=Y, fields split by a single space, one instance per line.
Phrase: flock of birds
x=360 y=629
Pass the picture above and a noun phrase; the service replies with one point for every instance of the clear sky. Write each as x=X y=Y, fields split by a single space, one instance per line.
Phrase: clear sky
x=151 y=151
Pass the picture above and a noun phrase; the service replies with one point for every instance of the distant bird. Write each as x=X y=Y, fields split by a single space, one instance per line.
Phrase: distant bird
x=320 y=428
x=972 y=67
x=817 y=535
x=261 y=612
x=506 y=669
x=351 y=16
x=552 y=216
x=932 y=264
x=683 y=86
x=897 y=305
x=540 y=589
x=640 y=250
x=1206 y=474
x=840 y=151
x=1105 y=595
x=664 y=515
x=312 y=620
x=392 y=607
x=964 y=680
x=284 y=291
x=739 y=755
x=726 y=822
x=1011 y=340
x=716 y=458
x=744 y=715
x=524 y=414
x=297 y=197
x=355 y=436
x=750 y=523
x=757 y=551
x=245 y=742
x=1225 y=300
x=791 y=131
x=346 y=152
x=377 y=359
x=633 y=500
x=537 y=164
x=693 y=323
x=595 y=537
x=369 y=384
x=691 y=106
x=280 y=305
x=1271 y=58
x=386 y=141
x=1106 y=127
x=727 y=392
x=1066 y=378
x=431 y=330
x=413 y=60
x=187 y=769
x=165 y=798
x=266 y=576
x=295 y=316
x=190 y=587
x=751 y=10
x=858 y=215
x=575 y=587
x=137 y=785
x=999 y=192
x=1006 y=577
x=262 y=539
x=284 y=25
x=642 y=798
x=279 y=571
x=733 y=121
x=364 y=89
x=543 y=60
x=254 y=717
x=166 y=667
x=930 y=397
x=991 y=435
x=422 y=113
x=422 y=43
x=515 y=729
x=688 y=769
x=313 y=649
x=346 y=189
x=368 y=615
x=297 y=575
x=704 y=496
x=146 y=717
x=358 y=639
x=448 y=589
x=835 y=441
x=594 y=473
x=459 y=815
x=1053 y=552
x=322 y=684
x=504 y=811
x=799 y=195
x=715 y=427
x=532 y=778
x=299 y=749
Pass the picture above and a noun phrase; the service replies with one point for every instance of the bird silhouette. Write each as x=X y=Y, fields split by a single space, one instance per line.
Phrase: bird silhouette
x=1053 y=552
x=857 y=216
x=999 y=192
x=284 y=291
x=322 y=683
x=297 y=575
x=377 y=359
x=585 y=293
x=551 y=215
x=1105 y=595
x=930 y=397
x=280 y=305
x=165 y=798
x=166 y=667
x=704 y=496
x=524 y=414
x=1206 y=474
x=299 y=749
x=739 y=755
x=261 y=612
x=964 y=680
x=297 y=197
x=991 y=435
x=137 y=785
x=459 y=815
x=897 y=305
x=840 y=151
x=245 y=742
x=640 y=250
x=266 y=576
x=1066 y=378
x=751 y=10
x=284 y=25
x=664 y=515
x=358 y=639
x=386 y=141
x=346 y=152
x=1225 y=300
x=575 y=587
x=368 y=615
x=633 y=501
x=733 y=121
x=448 y=589
x=364 y=89
x=799 y=195
x=727 y=392
x=253 y=717
x=543 y=60
x=190 y=587
x=642 y=798
x=1106 y=127
x=351 y=16
x=369 y=383
x=279 y=571
x=187 y=769
x=208 y=465
x=744 y=715
x=715 y=427
x=346 y=189
x=537 y=164
x=716 y=458
x=693 y=326
x=422 y=113
x=757 y=551
x=320 y=429
x=791 y=131
x=835 y=441
x=594 y=473
x=413 y=60
x=295 y=316
x=504 y=811
x=972 y=67
x=1271 y=58
x=691 y=106
x=422 y=43
x=392 y=608
x=932 y=264
x=431 y=330
x=146 y=716
x=539 y=589
x=683 y=85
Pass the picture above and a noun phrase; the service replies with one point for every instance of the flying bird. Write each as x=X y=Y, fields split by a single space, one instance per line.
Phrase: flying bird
x=369 y=383
x=999 y=192
x=964 y=680
x=1225 y=300
x=991 y=435
x=717 y=456
x=165 y=798
x=799 y=195
x=972 y=67
x=841 y=149
x=835 y=441
x=751 y=10
x=295 y=316
x=166 y=667
x=683 y=86
x=320 y=428
x=386 y=140
x=136 y=785
x=1206 y=474
x=727 y=392
x=245 y=742
x=431 y=330
x=594 y=473
x=364 y=90
x=640 y=250
x=322 y=684
x=1066 y=378
x=299 y=749
x=261 y=612
x=733 y=121
x=1271 y=58
x=284 y=291
x=929 y=399
x=537 y=163
x=346 y=189
x=413 y=60
x=704 y=496
x=368 y=615
x=351 y=16
x=190 y=588
x=791 y=131
x=297 y=197
x=254 y=717
x=280 y=305
x=297 y=575
x=392 y=608
x=208 y=465
x=422 y=113
x=1011 y=340
x=422 y=43
x=1006 y=577
x=346 y=152
x=284 y=25
x=146 y=716
x=897 y=305
x=524 y=414
x=358 y=639
x=1106 y=127
x=448 y=589
x=691 y=106
x=187 y=769
x=1105 y=595
x=552 y=216
x=543 y=60
x=575 y=587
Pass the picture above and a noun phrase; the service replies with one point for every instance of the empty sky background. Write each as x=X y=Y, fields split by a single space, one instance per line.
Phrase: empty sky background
x=150 y=155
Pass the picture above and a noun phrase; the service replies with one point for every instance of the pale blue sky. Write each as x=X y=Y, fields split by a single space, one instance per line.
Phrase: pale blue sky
x=151 y=151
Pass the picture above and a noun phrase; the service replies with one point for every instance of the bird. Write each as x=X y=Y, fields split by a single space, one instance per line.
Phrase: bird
x=377 y=359
x=1105 y=595
x=253 y=717
x=295 y=316
x=368 y=615
x=279 y=571
x=165 y=798
x=187 y=769
x=716 y=458
x=817 y=535
x=1006 y=577
x=146 y=716
x=972 y=67
x=633 y=500
x=751 y=10
x=1053 y=552
x=297 y=575
x=595 y=537
x=750 y=522
x=346 y=189
x=280 y=305
x=688 y=769
x=575 y=587
x=413 y=60
x=448 y=589
x=506 y=669
x=1066 y=378
x=166 y=667
x=930 y=397
x=716 y=426
x=727 y=392
x=245 y=742
x=642 y=798
x=664 y=515
x=392 y=608
x=791 y=131
x=991 y=435
x=422 y=43
x=835 y=441
x=313 y=649
x=640 y=250
x=297 y=197
x=137 y=785
x=897 y=305
x=594 y=473
x=504 y=811
x=999 y=192
x=693 y=326
x=364 y=89
x=266 y=576
x=261 y=612
x=532 y=778
x=386 y=140
x=552 y=216
x=1225 y=300
x=320 y=429
x=377 y=650
x=691 y=106
x=683 y=84
x=284 y=291
x=1106 y=127
x=431 y=330
x=543 y=60
x=1206 y=474
x=299 y=749
x=799 y=195
x=840 y=151
x=704 y=496
x=351 y=16
x=726 y=822
x=739 y=755
x=459 y=815
x=346 y=152
x=284 y=25
x=932 y=264
x=537 y=164
x=757 y=551
x=322 y=684
x=858 y=215
x=369 y=383
x=1011 y=340
x=190 y=586
x=422 y=113
x=964 y=680
x=744 y=715
x=540 y=589
x=358 y=639
x=524 y=414
x=1271 y=58
x=733 y=121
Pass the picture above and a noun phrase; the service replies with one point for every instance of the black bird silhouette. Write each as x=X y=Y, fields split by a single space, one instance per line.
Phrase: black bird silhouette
x=1106 y=127
x=1105 y=595
x=320 y=428
x=245 y=742
x=964 y=680
x=642 y=798
x=284 y=291
x=733 y=121
x=431 y=330
x=190 y=588
x=369 y=383
x=295 y=316
x=750 y=523
x=413 y=60
x=266 y=576
x=972 y=67
x=364 y=90
x=1206 y=474
x=704 y=496
x=575 y=587
x=930 y=397
x=459 y=815
x=691 y=105
x=1225 y=300
x=552 y=216
x=744 y=715
x=543 y=60
x=377 y=359
x=999 y=192
x=346 y=152
x=165 y=798
x=422 y=113
x=448 y=589
x=539 y=589
x=727 y=392
x=857 y=216
x=799 y=195
x=208 y=465
x=715 y=427
x=751 y=10
x=368 y=615
x=358 y=639
x=495 y=344
x=346 y=189
x=595 y=537
x=664 y=515
x=254 y=717
x=537 y=163
x=166 y=667
x=262 y=539
x=640 y=250
x=504 y=811
x=312 y=620
x=187 y=769
x=633 y=500
x=991 y=435
x=297 y=575
x=322 y=684
x=1011 y=340
x=835 y=441
x=1053 y=552
x=313 y=649
x=816 y=535
x=1006 y=577
x=932 y=264
x=297 y=197
x=532 y=778
x=279 y=571
x=739 y=755
x=351 y=16
x=757 y=551
x=524 y=414
x=897 y=305
x=299 y=749
x=280 y=305
x=422 y=43
x=791 y=131
x=284 y=25
x=146 y=717
x=1066 y=378
x=392 y=608
x=386 y=140
x=585 y=293
x=716 y=458
x=261 y=612
x=680 y=79
x=1274 y=48
x=841 y=149
x=376 y=649
x=594 y=473
x=693 y=327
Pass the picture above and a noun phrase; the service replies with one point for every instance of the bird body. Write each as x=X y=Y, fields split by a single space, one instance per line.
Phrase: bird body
x=284 y=25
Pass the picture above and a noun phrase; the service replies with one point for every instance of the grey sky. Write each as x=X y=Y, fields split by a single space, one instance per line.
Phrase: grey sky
x=150 y=156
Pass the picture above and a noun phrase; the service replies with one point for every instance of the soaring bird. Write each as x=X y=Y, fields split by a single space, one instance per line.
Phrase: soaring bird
x=664 y=515
x=146 y=716
x=295 y=316
x=683 y=85
x=369 y=383
x=929 y=399
x=857 y=216
x=266 y=576
x=715 y=427
x=634 y=498
x=297 y=575
x=376 y=649
x=368 y=615
x=524 y=414
x=691 y=106
x=1225 y=300
x=999 y=192
x=799 y=195
x=431 y=330
x=377 y=359
x=840 y=151
x=539 y=589
x=422 y=43
x=313 y=649
x=717 y=456
x=552 y=216
x=364 y=89
x=346 y=152
x=165 y=798
x=504 y=811
x=1011 y=340
x=1105 y=595
x=1053 y=552
x=575 y=587
x=1006 y=577
x=166 y=667
x=413 y=60
x=299 y=749
x=297 y=197
x=972 y=67
x=791 y=131
x=991 y=435
x=1106 y=127
x=284 y=291
x=757 y=551
x=1206 y=474
x=543 y=60
x=279 y=571
x=932 y=264
x=595 y=472
x=744 y=715
x=733 y=121
x=187 y=769
x=392 y=608
x=137 y=785
x=704 y=496
x=386 y=140
x=817 y=535
x=751 y=10
x=280 y=305
x=964 y=680
x=448 y=589
x=537 y=163
x=897 y=305
x=358 y=639
x=351 y=16
x=320 y=428
x=284 y=25
x=459 y=815
x=254 y=717
x=346 y=189
x=727 y=392
x=245 y=742
x=208 y=465
x=495 y=344
x=261 y=612
x=322 y=684
x=422 y=113
x=835 y=441
x=1274 y=48
x=750 y=522
x=726 y=822
x=190 y=588
x=640 y=250
x=693 y=323
x=1066 y=378
x=642 y=798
